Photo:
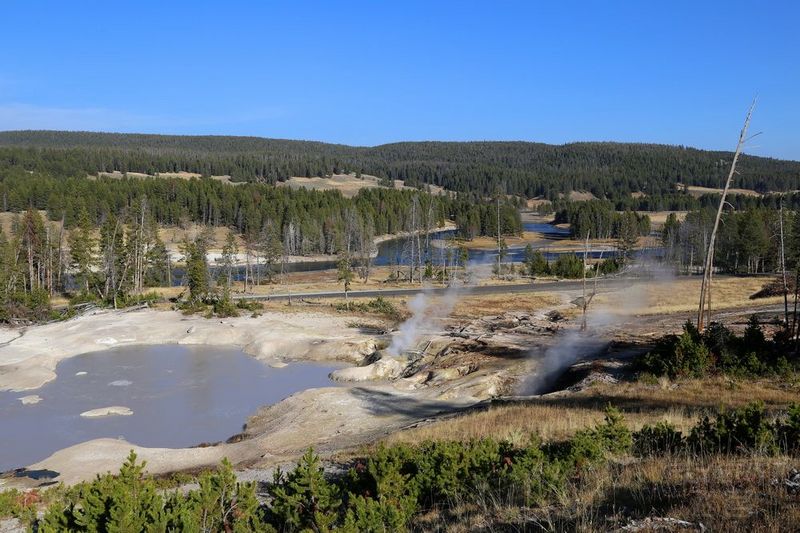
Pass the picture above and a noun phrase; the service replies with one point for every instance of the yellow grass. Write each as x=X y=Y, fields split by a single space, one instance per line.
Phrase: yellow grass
x=347 y=184
x=698 y=191
x=493 y=304
x=659 y=218
x=681 y=294
x=174 y=236
x=558 y=417
x=579 y=196
x=165 y=175
x=517 y=423
x=490 y=243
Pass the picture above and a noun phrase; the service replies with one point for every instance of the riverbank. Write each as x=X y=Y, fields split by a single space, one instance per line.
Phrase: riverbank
x=214 y=255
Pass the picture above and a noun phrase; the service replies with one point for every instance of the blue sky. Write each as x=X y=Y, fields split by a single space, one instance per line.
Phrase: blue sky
x=367 y=73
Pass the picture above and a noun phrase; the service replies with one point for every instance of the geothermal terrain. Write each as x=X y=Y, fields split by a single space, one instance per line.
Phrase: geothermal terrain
x=450 y=354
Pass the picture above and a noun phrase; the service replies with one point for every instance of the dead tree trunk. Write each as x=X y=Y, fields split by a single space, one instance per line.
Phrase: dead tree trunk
x=783 y=273
x=704 y=309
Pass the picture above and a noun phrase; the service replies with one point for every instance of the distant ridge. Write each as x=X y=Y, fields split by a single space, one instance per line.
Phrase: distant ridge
x=606 y=169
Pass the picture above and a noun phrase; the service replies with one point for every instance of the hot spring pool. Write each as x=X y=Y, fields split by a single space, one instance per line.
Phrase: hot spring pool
x=180 y=396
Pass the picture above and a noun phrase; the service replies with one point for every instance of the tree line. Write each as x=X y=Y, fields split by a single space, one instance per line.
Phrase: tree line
x=607 y=170
x=598 y=219
x=103 y=232
x=748 y=242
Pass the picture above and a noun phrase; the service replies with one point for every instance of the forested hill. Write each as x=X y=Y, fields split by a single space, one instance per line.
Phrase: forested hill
x=610 y=170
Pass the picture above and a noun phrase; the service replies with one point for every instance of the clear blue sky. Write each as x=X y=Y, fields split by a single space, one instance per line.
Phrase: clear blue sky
x=373 y=72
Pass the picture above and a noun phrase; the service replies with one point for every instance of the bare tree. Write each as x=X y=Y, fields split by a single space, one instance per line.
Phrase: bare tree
x=783 y=273
x=704 y=309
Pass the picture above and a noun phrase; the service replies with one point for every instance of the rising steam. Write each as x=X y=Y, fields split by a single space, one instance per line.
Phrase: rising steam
x=572 y=345
x=427 y=307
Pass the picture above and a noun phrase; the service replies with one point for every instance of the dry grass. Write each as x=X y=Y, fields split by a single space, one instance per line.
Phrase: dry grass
x=680 y=295
x=490 y=243
x=536 y=203
x=581 y=196
x=7 y=221
x=659 y=218
x=517 y=422
x=698 y=191
x=493 y=304
x=347 y=184
x=164 y=175
x=558 y=417
x=174 y=236
x=724 y=493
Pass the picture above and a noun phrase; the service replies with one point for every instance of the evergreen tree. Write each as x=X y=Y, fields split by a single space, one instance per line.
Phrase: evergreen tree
x=628 y=235
x=196 y=270
x=82 y=250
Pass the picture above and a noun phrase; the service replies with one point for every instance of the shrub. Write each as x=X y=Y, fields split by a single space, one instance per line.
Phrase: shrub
x=368 y=515
x=717 y=349
x=303 y=499
x=224 y=308
x=788 y=431
x=533 y=475
x=678 y=356
x=20 y=505
x=378 y=306
x=33 y=306
x=131 y=501
x=126 y=502
x=130 y=300
x=608 y=266
x=660 y=439
x=747 y=429
x=249 y=305
x=568 y=266
x=220 y=504
x=589 y=446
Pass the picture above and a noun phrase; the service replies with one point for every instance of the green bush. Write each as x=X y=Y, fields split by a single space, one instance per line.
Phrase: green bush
x=224 y=308
x=535 y=262
x=660 y=439
x=303 y=499
x=718 y=350
x=678 y=356
x=131 y=501
x=534 y=476
x=589 y=446
x=608 y=266
x=129 y=300
x=567 y=266
x=378 y=306
x=249 y=305
x=20 y=505
x=387 y=489
x=747 y=429
x=788 y=431
x=33 y=306
x=368 y=515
